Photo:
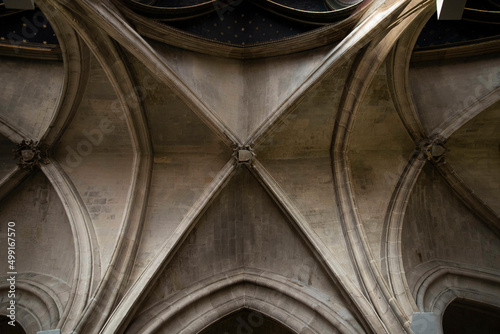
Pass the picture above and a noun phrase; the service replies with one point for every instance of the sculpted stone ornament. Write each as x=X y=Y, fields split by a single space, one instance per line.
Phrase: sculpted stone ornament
x=30 y=154
x=433 y=149
x=243 y=155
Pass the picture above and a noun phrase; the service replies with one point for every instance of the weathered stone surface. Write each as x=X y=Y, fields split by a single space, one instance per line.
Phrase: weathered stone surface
x=185 y=190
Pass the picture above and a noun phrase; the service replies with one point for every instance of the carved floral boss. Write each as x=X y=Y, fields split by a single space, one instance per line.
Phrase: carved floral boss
x=30 y=154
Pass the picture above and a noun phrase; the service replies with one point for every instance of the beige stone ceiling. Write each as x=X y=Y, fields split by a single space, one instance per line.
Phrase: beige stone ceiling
x=149 y=224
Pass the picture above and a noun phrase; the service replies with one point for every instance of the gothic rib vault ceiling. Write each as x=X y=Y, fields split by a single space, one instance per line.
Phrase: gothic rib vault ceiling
x=145 y=221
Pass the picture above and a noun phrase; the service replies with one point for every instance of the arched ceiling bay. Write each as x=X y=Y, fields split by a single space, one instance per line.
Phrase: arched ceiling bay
x=188 y=155
x=437 y=225
x=444 y=91
x=243 y=94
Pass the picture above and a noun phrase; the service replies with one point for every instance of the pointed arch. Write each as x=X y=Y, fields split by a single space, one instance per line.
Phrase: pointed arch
x=391 y=253
x=40 y=300
x=270 y=294
x=398 y=71
x=368 y=61
x=116 y=273
x=441 y=282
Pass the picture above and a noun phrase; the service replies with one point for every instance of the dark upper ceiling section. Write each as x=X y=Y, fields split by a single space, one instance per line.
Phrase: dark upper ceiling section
x=244 y=22
x=480 y=22
x=315 y=6
x=27 y=33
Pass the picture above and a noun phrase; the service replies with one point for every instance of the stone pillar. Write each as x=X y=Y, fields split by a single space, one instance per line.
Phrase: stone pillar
x=50 y=331
x=426 y=323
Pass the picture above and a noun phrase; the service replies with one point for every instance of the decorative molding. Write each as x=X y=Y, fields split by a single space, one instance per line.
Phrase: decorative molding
x=12 y=131
x=40 y=300
x=364 y=69
x=338 y=11
x=398 y=64
x=447 y=128
x=440 y=282
x=446 y=52
x=249 y=288
x=10 y=181
x=434 y=150
x=30 y=154
x=316 y=38
x=391 y=253
x=115 y=278
x=75 y=56
x=347 y=48
x=118 y=28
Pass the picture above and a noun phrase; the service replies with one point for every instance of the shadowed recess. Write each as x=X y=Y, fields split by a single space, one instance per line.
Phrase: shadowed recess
x=246 y=321
x=468 y=317
x=7 y=328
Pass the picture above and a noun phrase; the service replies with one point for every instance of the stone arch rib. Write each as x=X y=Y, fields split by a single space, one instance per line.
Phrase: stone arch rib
x=40 y=300
x=397 y=72
x=112 y=284
x=392 y=261
x=441 y=282
x=87 y=265
x=75 y=59
x=368 y=61
x=270 y=294
x=399 y=61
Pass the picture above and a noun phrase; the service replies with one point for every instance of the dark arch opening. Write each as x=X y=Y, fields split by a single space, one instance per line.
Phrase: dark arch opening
x=5 y=327
x=468 y=317
x=246 y=321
